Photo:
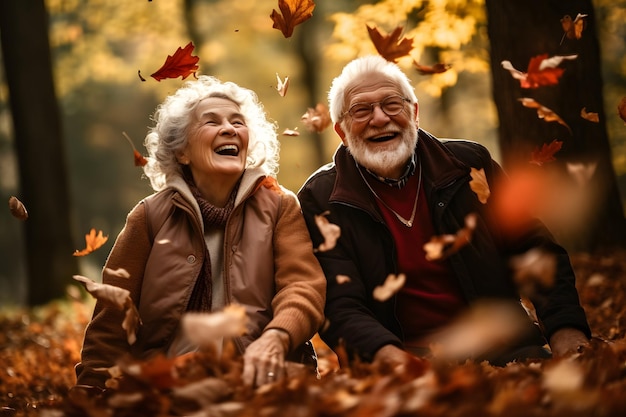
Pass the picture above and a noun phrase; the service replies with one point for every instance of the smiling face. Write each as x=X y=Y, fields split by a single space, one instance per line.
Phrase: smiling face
x=382 y=143
x=218 y=143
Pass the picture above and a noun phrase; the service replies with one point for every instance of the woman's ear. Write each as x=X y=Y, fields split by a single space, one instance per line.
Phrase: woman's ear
x=182 y=158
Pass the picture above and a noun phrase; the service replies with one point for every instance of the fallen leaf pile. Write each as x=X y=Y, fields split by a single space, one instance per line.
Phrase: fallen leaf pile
x=41 y=346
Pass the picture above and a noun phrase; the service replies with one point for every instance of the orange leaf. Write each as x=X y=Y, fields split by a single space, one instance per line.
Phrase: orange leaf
x=93 y=242
x=546 y=153
x=433 y=69
x=392 y=46
x=573 y=28
x=621 y=109
x=479 y=184
x=393 y=283
x=442 y=246
x=543 y=112
x=293 y=12
x=139 y=159
x=181 y=64
x=18 y=210
x=317 y=119
x=330 y=231
x=592 y=117
x=541 y=70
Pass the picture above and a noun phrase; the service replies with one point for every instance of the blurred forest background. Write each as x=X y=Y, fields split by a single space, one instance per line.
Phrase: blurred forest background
x=98 y=46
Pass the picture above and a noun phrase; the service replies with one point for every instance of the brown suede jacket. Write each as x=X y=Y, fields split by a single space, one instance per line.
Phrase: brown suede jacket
x=269 y=268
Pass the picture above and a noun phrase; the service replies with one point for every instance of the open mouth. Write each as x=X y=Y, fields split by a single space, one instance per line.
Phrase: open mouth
x=384 y=137
x=227 y=150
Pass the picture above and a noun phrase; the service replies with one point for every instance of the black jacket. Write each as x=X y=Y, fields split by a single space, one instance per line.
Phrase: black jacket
x=365 y=251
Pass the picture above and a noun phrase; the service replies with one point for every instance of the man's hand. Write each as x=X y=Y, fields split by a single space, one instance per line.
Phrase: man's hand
x=566 y=341
x=390 y=355
x=264 y=359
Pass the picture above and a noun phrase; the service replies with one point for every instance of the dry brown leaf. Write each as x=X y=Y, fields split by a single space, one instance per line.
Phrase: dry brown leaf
x=118 y=298
x=543 y=112
x=93 y=242
x=533 y=271
x=119 y=272
x=291 y=132
x=573 y=28
x=207 y=329
x=329 y=231
x=317 y=119
x=581 y=172
x=441 y=246
x=282 y=85
x=592 y=117
x=18 y=210
x=479 y=184
x=293 y=12
x=546 y=153
x=391 y=46
x=393 y=283
x=437 y=68
x=342 y=279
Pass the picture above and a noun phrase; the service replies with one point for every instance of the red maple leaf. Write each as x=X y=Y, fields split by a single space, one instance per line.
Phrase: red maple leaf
x=541 y=70
x=181 y=64
x=392 y=46
x=546 y=153
x=293 y=12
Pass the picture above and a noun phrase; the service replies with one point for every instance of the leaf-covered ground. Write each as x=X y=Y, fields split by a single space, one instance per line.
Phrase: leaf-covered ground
x=40 y=347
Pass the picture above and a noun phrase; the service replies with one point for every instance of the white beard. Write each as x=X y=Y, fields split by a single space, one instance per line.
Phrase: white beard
x=384 y=162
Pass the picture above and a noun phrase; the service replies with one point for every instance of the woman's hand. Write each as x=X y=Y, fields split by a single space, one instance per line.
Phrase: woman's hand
x=264 y=359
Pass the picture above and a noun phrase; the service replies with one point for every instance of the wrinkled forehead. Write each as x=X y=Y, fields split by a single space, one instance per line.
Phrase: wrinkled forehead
x=370 y=86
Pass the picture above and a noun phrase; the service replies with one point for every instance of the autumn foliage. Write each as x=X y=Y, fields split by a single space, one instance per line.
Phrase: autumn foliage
x=40 y=348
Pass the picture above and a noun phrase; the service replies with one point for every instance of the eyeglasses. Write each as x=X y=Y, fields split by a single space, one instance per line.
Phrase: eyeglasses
x=391 y=106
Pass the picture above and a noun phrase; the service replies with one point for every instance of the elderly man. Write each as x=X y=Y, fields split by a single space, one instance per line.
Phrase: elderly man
x=391 y=188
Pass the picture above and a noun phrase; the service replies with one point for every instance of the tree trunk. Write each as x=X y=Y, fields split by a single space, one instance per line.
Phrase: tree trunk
x=519 y=31
x=40 y=149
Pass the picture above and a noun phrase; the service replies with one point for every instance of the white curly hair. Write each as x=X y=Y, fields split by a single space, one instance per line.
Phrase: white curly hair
x=172 y=117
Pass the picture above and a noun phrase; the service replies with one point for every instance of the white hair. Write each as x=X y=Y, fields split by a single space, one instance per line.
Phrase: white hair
x=365 y=65
x=172 y=118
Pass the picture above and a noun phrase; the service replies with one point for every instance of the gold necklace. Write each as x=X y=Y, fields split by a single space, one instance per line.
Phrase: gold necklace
x=409 y=222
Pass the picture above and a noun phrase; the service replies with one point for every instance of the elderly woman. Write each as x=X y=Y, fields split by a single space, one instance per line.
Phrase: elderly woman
x=219 y=230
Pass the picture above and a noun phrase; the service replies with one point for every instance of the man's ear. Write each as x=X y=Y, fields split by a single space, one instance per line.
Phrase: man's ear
x=341 y=133
x=416 y=112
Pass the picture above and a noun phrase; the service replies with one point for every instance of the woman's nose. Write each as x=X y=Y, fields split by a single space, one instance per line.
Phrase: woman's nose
x=227 y=129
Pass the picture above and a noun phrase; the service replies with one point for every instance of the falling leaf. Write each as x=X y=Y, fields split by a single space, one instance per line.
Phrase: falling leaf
x=543 y=112
x=392 y=46
x=93 y=242
x=138 y=158
x=542 y=71
x=317 y=119
x=486 y=326
x=573 y=28
x=207 y=329
x=291 y=132
x=181 y=64
x=118 y=298
x=282 y=86
x=581 y=172
x=546 y=153
x=293 y=12
x=342 y=279
x=592 y=117
x=393 y=283
x=18 y=210
x=329 y=231
x=433 y=69
x=119 y=272
x=442 y=246
x=479 y=184
x=533 y=271
x=621 y=109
